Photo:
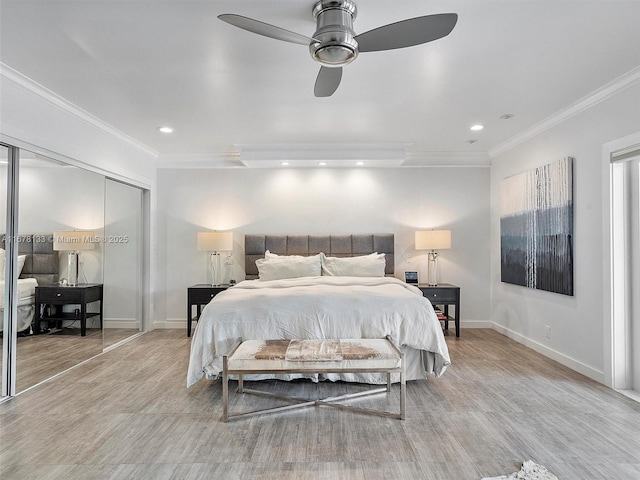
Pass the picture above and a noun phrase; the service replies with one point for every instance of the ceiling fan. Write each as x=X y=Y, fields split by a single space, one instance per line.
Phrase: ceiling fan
x=335 y=43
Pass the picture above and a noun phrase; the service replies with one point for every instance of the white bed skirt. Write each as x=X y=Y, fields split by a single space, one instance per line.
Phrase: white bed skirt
x=25 y=317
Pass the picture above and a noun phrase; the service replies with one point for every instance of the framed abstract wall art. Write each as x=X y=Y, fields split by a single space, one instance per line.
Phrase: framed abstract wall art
x=536 y=228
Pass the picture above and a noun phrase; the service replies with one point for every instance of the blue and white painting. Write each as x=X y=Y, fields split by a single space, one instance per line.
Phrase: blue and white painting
x=536 y=228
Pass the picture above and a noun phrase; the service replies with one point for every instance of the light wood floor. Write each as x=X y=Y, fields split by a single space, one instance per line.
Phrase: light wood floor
x=39 y=357
x=127 y=414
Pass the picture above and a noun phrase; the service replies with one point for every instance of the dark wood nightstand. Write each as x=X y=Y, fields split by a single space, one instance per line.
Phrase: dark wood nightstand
x=56 y=296
x=444 y=294
x=197 y=296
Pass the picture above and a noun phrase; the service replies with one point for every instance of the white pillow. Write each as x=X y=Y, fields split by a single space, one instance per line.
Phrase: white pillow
x=268 y=254
x=280 y=267
x=21 y=260
x=3 y=263
x=372 y=265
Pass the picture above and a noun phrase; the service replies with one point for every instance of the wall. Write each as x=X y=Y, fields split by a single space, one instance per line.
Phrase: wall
x=398 y=200
x=577 y=323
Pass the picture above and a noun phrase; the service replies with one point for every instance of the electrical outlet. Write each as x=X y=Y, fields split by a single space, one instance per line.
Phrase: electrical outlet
x=228 y=260
x=547 y=331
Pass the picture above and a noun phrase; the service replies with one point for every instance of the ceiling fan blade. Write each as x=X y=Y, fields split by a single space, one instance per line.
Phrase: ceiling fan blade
x=265 y=29
x=327 y=82
x=406 y=33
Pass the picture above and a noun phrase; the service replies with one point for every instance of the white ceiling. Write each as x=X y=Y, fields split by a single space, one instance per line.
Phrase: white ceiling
x=139 y=64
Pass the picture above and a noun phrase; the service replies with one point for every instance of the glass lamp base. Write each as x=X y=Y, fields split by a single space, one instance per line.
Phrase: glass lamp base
x=432 y=273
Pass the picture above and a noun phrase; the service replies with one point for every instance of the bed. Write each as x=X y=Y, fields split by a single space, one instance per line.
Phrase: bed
x=38 y=265
x=350 y=293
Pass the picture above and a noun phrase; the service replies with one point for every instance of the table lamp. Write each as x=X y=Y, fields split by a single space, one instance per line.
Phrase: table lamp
x=433 y=240
x=214 y=243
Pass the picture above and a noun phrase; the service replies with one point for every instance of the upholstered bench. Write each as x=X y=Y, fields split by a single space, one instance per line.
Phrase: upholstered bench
x=313 y=356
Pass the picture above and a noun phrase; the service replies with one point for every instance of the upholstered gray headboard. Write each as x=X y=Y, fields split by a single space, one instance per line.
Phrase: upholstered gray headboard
x=41 y=260
x=334 y=245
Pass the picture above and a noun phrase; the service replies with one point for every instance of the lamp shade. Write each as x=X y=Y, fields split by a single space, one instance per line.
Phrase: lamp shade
x=215 y=241
x=433 y=239
x=73 y=240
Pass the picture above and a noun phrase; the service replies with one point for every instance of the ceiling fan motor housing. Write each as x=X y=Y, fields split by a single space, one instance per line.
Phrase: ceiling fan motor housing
x=337 y=45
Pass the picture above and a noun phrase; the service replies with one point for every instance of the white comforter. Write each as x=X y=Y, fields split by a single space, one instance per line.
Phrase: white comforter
x=26 y=291
x=319 y=307
x=26 y=299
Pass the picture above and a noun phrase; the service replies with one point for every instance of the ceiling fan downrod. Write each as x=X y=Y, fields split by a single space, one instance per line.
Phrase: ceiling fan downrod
x=336 y=45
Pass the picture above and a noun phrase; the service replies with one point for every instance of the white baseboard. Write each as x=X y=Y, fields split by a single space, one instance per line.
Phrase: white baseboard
x=474 y=324
x=171 y=323
x=121 y=323
x=565 y=360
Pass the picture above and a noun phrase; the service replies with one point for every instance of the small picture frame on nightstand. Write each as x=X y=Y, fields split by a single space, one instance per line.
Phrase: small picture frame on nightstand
x=411 y=277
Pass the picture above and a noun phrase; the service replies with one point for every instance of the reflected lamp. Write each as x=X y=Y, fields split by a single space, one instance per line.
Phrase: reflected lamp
x=73 y=242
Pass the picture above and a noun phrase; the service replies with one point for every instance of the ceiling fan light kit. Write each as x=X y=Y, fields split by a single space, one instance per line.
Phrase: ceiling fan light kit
x=335 y=43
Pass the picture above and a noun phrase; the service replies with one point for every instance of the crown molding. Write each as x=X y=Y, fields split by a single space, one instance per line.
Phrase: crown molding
x=24 y=82
x=199 y=160
x=447 y=159
x=307 y=155
x=336 y=156
x=605 y=92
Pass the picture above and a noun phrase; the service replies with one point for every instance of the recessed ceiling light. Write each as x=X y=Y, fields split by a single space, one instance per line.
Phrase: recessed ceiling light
x=284 y=164
x=166 y=129
x=322 y=164
x=359 y=164
x=475 y=128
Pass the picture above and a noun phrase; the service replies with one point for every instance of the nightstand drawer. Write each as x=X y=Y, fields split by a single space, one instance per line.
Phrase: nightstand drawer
x=204 y=295
x=440 y=294
x=59 y=295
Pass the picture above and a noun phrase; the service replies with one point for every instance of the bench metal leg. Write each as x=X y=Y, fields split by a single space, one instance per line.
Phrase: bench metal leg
x=306 y=402
x=225 y=390
x=403 y=388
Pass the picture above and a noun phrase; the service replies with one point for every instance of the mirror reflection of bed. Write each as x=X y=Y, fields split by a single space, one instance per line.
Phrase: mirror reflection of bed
x=46 y=354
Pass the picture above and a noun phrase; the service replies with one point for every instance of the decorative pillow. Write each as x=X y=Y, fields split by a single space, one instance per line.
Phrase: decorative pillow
x=372 y=265
x=280 y=267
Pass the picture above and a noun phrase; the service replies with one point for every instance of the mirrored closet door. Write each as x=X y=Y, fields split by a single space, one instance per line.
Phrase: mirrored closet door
x=122 y=245
x=60 y=223
x=78 y=267
x=6 y=340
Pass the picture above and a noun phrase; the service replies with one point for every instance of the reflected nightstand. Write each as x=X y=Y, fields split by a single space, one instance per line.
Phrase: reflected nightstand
x=57 y=296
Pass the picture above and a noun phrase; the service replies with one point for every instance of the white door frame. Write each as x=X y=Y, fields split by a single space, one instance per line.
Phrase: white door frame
x=615 y=321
